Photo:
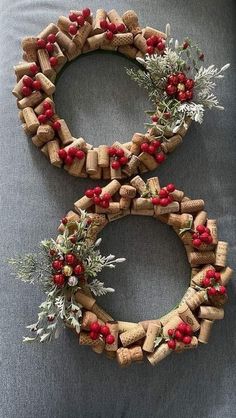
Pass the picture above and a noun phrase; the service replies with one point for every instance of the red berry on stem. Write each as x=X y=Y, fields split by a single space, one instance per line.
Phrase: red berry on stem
x=27 y=81
x=197 y=242
x=64 y=221
x=201 y=56
x=97 y=191
x=70 y=259
x=104 y=204
x=155 y=118
x=170 y=187
x=62 y=154
x=200 y=229
x=103 y=24
x=222 y=290
x=26 y=91
x=150 y=50
x=96 y=200
x=151 y=149
x=173 y=79
x=182 y=327
x=72 y=152
x=210 y=273
x=185 y=45
x=155 y=201
x=111 y=151
x=121 y=27
x=144 y=147
x=89 y=193
x=109 y=35
x=161 y=45
x=73 y=17
x=163 y=193
x=42 y=118
x=79 y=269
x=171 y=332
x=150 y=42
x=206 y=282
x=41 y=43
x=164 y=201
x=59 y=279
x=110 y=339
x=49 y=113
x=212 y=291
x=171 y=344
x=156 y=143
x=86 y=12
x=105 y=330
x=36 y=85
x=95 y=326
x=68 y=160
x=123 y=161
x=73 y=29
x=181 y=96
x=57 y=265
x=80 y=20
x=53 y=61
x=106 y=197
x=181 y=77
x=112 y=27
x=204 y=237
x=188 y=329
x=93 y=335
x=119 y=152
x=189 y=94
x=115 y=165
x=160 y=157
x=217 y=276
x=171 y=89
x=80 y=154
x=167 y=115
x=46 y=105
x=49 y=47
x=56 y=125
x=189 y=83
x=51 y=38
x=187 y=339
x=34 y=69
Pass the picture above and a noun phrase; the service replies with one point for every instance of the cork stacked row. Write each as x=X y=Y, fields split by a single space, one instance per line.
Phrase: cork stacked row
x=198 y=309
x=52 y=134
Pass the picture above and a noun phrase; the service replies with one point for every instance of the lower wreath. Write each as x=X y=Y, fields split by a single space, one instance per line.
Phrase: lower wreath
x=73 y=259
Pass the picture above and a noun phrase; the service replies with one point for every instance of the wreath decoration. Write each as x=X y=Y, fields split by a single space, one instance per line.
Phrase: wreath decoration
x=67 y=268
x=179 y=89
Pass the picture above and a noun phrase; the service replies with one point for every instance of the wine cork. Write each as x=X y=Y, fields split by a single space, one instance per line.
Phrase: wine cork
x=189 y=251
x=177 y=195
x=226 y=275
x=114 y=329
x=142 y=204
x=127 y=152
x=120 y=39
x=127 y=191
x=166 y=318
x=126 y=326
x=196 y=300
x=221 y=254
x=206 y=257
x=51 y=28
x=64 y=133
x=212 y=225
x=114 y=207
x=131 y=336
x=101 y=314
x=184 y=127
x=99 y=346
x=23 y=69
x=187 y=316
x=94 y=42
x=111 y=355
x=44 y=150
x=140 y=43
x=172 y=323
x=188 y=294
x=36 y=141
x=159 y=354
x=115 y=216
x=148 y=161
x=171 y=144
x=106 y=174
x=210 y=312
x=29 y=45
x=75 y=169
x=180 y=221
x=191 y=206
x=100 y=16
x=61 y=58
x=71 y=217
x=153 y=185
x=17 y=90
x=111 y=187
x=25 y=129
x=45 y=133
x=152 y=332
x=136 y=353
x=44 y=62
x=114 y=17
x=115 y=174
x=180 y=346
x=40 y=108
x=194 y=271
x=64 y=23
x=87 y=319
x=171 y=208
x=131 y=167
x=130 y=19
x=136 y=142
x=31 y=120
x=65 y=42
x=47 y=86
x=123 y=357
x=125 y=203
x=130 y=52
x=84 y=339
x=142 y=212
x=145 y=323
x=139 y=184
x=205 y=331
x=148 y=32
x=185 y=237
x=30 y=101
x=92 y=162
x=80 y=38
x=86 y=301
x=103 y=156
x=97 y=175
x=197 y=278
x=53 y=148
x=200 y=219
x=83 y=203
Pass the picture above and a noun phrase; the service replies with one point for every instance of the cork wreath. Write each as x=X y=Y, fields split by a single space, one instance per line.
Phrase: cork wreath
x=179 y=88
x=68 y=267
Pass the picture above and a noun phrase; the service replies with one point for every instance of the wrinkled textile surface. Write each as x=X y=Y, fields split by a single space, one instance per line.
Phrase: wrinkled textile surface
x=100 y=103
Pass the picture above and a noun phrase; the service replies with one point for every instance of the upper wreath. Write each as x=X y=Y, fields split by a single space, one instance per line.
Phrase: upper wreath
x=179 y=89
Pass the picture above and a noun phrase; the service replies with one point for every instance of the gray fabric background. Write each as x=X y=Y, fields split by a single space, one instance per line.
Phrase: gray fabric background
x=101 y=103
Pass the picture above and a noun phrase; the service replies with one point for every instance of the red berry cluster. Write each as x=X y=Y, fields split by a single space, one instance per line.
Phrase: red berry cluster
x=111 y=28
x=201 y=235
x=118 y=156
x=155 y=44
x=47 y=115
x=68 y=156
x=153 y=148
x=60 y=264
x=30 y=85
x=183 y=333
x=180 y=87
x=101 y=331
x=78 y=20
x=212 y=281
x=99 y=199
x=48 y=45
x=164 y=198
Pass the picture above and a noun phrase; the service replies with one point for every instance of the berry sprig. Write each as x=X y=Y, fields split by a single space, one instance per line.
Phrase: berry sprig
x=30 y=85
x=78 y=20
x=49 y=46
x=202 y=235
x=68 y=156
x=153 y=148
x=118 y=157
x=180 y=87
x=46 y=116
x=183 y=333
x=111 y=28
x=212 y=282
x=99 y=199
x=164 y=198
x=67 y=269
x=98 y=331
x=155 y=44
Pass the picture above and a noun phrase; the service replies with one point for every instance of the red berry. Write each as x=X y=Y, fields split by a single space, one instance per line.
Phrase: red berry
x=189 y=94
x=210 y=273
x=104 y=204
x=210 y=239
x=204 y=237
x=182 y=327
x=46 y=105
x=68 y=160
x=167 y=115
x=150 y=42
x=112 y=27
x=70 y=259
x=171 y=332
x=212 y=291
x=97 y=191
x=36 y=85
x=34 y=69
x=73 y=17
x=59 y=279
x=105 y=330
x=53 y=61
x=50 y=318
x=206 y=282
x=144 y=147
x=188 y=329
x=49 y=113
x=89 y=193
x=155 y=201
x=86 y=12
x=156 y=144
x=160 y=157
x=197 y=242
x=27 y=81
x=110 y=339
x=123 y=161
x=155 y=118
x=189 y=83
x=181 y=96
x=49 y=47
x=79 y=269
x=195 y=235
x=120 y=152
x=200 y=229
x=185 y=45
x=103 y=24
x=56 y=125
x=181 y=77
x=164 y=201
x=93 y=335
x=217 y=276
x=173 y=79
x=26 y=91
x=62 y=154
x=42 y=118
x=72 y=152
x=57 y=265
x=73 y=29
x=95 y=326
x=201 y=56
x=161 y=45
x=171 y=89
x=41 y=43
x=109 y=35
x=80 y=154
x=151 y=149
x=170 y=187
x=163 y=193
x=150 y=50
x=155 y=39
x=51 y=38
x=115 y=165
x=96 y=200
x=222 y=290
x=64 y=221
x=73 y=239
x=106 y=197
x=171 y=344
x=112 y=151
x=121 y=27
x=80 y=20
x=187 y=339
